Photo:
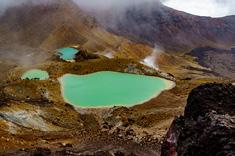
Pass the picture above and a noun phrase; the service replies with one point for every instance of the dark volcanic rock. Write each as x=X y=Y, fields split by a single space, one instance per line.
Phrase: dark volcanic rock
x=211 y=97
x=41 y=152
x=83 y=55
x=220 y=61
x=173 y=30
x=208 y=126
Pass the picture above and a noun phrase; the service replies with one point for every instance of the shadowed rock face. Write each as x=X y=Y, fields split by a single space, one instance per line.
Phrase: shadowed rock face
x=220 y=61
x=174 y=30
x=84 y=55
x=208 y=126
x=211 y=97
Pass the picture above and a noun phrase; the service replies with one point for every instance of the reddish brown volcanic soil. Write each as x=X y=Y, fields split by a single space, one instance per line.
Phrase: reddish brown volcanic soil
x=35 y=120
x=32 y=123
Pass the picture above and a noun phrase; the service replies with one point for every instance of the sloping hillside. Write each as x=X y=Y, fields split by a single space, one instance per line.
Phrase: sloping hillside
x=59 y=24
x=154 y=23
x=221 y=61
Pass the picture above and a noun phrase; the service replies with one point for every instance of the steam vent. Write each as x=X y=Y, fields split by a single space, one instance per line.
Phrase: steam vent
x=117 y=78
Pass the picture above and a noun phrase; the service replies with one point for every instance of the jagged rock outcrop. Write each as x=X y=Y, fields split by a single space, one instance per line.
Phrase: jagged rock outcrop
x=85 y=55
x=208 y=125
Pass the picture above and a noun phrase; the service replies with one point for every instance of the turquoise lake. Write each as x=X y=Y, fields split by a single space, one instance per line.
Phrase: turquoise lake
x=35 y=74
x=68 y=53
x=107 y=89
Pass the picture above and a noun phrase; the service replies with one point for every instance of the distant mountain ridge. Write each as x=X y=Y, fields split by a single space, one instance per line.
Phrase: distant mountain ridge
x=154 y=23
x=58 y=24
x=151 y=23
x=32 y=24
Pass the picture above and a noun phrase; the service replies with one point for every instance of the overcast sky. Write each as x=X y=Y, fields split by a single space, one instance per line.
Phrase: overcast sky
x=214 y=8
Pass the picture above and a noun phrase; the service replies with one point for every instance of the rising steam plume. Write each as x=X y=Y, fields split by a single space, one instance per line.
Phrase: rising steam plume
x=199 y=7
x=151 y=60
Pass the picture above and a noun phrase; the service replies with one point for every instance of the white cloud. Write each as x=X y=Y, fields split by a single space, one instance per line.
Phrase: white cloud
x=104 y=4
x=213 y=8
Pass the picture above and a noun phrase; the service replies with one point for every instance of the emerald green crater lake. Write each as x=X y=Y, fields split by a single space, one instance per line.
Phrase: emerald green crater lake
x=35 y=74
x=67 y=53
x=107 y=89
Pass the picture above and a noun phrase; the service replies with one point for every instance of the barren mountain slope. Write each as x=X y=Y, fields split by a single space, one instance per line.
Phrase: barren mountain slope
x=154 y=23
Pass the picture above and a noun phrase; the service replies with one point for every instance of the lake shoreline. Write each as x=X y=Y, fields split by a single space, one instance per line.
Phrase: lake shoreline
x=168 y=85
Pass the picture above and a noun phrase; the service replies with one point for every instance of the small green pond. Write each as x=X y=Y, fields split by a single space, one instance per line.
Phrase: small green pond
x=35 y=74
x=106 y=89
x=68 y=53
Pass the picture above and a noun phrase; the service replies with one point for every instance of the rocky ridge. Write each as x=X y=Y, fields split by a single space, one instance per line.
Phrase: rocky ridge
x=208 y=124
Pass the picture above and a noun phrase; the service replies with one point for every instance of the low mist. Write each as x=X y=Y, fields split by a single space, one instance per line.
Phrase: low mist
x=5 y=4
x=107 y=4
x=213 y=8
x=23 y=55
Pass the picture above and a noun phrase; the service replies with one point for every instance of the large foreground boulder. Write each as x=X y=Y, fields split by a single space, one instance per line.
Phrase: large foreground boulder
x=208 y=125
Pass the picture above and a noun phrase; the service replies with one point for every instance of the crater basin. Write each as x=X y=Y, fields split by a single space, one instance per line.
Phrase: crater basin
x=35 y=74
x=107 y=89
x=67 y=53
